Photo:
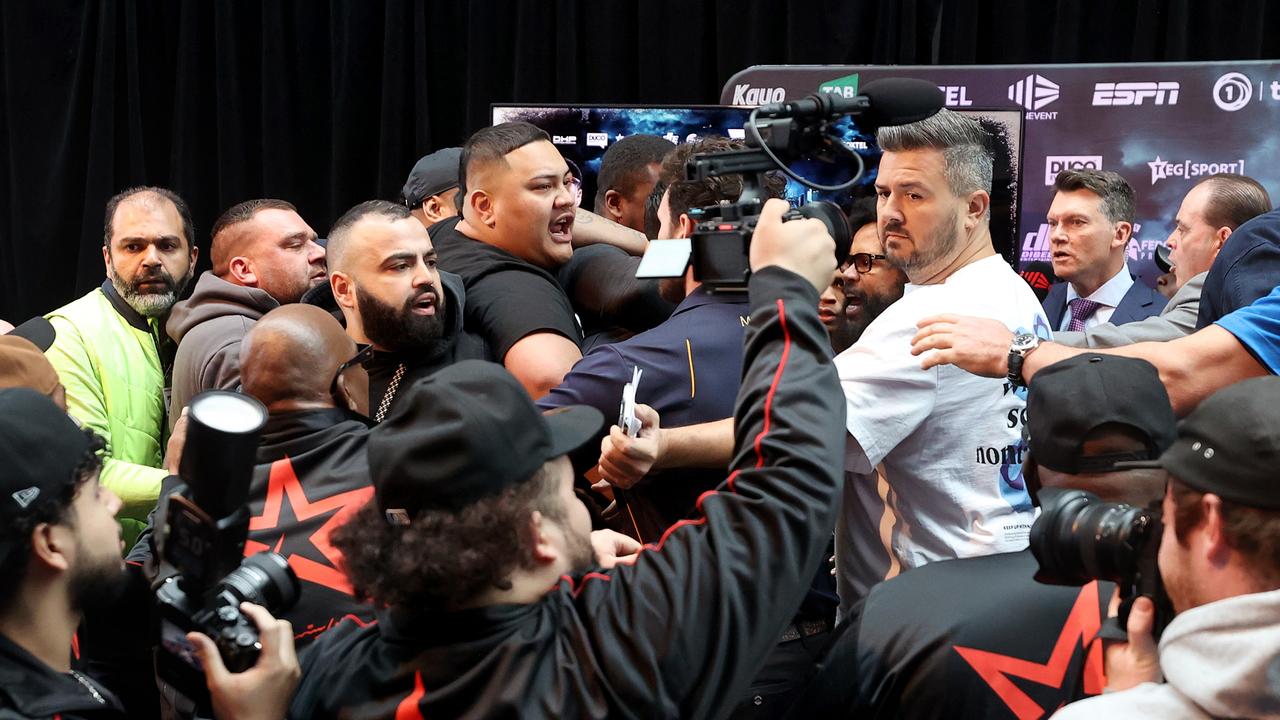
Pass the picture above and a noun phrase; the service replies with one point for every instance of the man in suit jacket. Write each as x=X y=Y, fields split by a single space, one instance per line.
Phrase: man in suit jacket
x=1090 y=223
x=1210 y=212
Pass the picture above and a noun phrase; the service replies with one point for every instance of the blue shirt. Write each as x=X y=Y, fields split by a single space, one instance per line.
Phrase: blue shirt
x=1257 y=327
x=1246 y=269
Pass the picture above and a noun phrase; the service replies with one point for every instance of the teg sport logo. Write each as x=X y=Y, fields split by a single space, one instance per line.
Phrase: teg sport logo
x=1124 y=94
x=1055 y=164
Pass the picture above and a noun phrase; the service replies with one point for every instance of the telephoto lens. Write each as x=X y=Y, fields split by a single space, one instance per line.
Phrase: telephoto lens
x=1078 y=539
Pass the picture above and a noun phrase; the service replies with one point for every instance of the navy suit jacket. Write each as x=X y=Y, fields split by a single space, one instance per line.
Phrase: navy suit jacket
x=1139 y=303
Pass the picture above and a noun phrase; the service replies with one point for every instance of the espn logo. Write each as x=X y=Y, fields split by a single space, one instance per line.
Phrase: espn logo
x=1055 y=164
x=1134 y=93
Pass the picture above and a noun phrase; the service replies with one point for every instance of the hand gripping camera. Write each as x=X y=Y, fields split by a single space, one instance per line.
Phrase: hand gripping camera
x=776 y=135
x=203 y=526
x=1078 y=539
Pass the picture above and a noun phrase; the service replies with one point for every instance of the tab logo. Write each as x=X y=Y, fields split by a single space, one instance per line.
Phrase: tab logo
x=746 y=95
x=1034 y=92
x=1134 y=93
x=846 y=86
x=1055 y=164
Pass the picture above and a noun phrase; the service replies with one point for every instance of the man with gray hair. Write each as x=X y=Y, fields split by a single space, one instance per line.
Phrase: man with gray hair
x=1090 y=224
x=933 y=463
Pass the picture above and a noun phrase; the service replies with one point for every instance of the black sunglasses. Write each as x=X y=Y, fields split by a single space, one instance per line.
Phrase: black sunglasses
x=862 y=262
x=363 y=353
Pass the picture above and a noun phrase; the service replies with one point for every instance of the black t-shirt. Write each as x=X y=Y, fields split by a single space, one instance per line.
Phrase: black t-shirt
x=507 y=298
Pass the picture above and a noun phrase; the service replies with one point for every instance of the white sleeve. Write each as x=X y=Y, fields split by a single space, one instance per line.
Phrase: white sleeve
x=886 y=392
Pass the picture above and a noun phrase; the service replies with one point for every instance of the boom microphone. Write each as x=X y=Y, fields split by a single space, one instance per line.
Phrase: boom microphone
x=889 y=101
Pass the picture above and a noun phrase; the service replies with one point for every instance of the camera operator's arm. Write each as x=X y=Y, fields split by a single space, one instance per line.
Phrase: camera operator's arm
x=590 y=229
x=625 y=460
x=263 y=691
x=712 y=597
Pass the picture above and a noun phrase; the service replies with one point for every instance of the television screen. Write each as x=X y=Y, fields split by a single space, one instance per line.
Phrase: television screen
x=584 y=132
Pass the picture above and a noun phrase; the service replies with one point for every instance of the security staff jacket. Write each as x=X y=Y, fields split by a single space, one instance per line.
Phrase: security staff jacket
x=691 y=364
x=680 y=632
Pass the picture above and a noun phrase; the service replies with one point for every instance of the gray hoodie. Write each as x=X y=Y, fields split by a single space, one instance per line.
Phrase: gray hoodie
x=1219 y=660
x=208 y=327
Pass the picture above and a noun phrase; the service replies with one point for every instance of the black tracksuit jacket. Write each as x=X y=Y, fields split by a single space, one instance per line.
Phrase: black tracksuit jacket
x=678 y=634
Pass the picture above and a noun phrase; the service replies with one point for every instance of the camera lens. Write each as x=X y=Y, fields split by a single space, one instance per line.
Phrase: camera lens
x=1079 y=538
x=265 y=579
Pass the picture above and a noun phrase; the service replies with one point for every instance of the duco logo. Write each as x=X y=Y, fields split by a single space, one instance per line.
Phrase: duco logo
x=1233 y=91
x=1033 y=92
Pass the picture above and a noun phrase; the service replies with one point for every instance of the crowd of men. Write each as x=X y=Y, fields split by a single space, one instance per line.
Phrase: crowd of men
x=827 y=508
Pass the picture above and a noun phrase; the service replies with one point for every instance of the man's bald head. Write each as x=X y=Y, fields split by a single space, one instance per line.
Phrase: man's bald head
x=289 y=358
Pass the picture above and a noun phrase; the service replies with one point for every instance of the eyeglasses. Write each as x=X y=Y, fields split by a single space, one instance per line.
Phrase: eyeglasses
x=363 y=353
x=862 y=262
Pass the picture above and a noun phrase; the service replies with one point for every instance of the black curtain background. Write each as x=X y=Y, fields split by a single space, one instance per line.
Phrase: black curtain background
x=326 y=104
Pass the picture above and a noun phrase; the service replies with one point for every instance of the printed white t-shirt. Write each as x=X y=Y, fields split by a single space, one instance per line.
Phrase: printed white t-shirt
x=933 y=467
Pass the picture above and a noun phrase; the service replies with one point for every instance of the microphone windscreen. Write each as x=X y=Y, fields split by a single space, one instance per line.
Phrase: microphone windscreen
x=898 y=101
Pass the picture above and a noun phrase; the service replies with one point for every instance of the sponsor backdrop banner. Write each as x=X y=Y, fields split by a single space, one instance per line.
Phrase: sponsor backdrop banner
x=1160 y=125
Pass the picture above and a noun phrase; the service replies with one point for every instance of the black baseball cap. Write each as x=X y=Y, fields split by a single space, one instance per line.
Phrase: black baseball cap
x=40 y=449
x=1070 y=399
x=432 y=175
x=1230 y=445
x=465 y=433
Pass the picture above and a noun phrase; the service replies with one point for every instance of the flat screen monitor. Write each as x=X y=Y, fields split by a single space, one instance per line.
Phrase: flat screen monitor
x=584 y=132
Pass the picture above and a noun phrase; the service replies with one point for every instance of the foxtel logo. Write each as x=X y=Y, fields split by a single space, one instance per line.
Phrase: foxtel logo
x=744 y=94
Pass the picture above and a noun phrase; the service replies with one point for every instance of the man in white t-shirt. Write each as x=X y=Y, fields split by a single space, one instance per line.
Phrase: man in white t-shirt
x=933 y=465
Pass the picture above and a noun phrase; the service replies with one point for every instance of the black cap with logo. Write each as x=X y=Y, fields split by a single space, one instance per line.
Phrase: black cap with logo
x=1070 y=399
x=465 y=433
x=1230 y=445
x=40 y=449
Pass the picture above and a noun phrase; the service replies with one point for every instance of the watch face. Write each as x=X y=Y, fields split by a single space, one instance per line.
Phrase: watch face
x=1024 y=341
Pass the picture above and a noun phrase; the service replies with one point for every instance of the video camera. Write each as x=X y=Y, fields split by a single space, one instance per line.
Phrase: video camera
x=777 y=135
x=203 y=528
x=1078 y=539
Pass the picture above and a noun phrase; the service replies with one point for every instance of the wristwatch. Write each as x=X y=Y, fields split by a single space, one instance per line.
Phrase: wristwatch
x=1023 y=344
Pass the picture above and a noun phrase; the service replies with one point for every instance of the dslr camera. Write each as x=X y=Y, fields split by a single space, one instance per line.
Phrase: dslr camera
x=203 y=525
x=778 y=135
x=1078 y=538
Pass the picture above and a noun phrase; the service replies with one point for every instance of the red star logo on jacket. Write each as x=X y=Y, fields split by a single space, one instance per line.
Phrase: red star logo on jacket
x=283 y=483
x=1080 y=630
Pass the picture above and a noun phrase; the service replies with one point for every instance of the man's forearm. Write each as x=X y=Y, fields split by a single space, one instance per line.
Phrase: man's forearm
x=589 y=228
x=706 y=445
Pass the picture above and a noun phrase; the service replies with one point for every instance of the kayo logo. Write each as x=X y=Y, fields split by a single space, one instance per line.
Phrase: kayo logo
x=1163 y=169
x=1134 y=93
x=746 y=95
x=1055 y=164
x=1033 y=92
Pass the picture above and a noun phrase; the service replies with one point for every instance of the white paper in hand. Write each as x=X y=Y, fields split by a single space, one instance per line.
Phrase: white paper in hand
x=627 y=413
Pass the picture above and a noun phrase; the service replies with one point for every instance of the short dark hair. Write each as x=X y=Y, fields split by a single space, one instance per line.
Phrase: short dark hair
x=1234 y=200
x=234 y=215
x=1252 y=532
x=444 y=559
x=1116 y=192
x=861 y=212
x=244 y=211
x=51 y=507
x=626 y=162
x=652 y=223
x=491 y=145
x=184 y=212
x=340 y=233
x=684 y=195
